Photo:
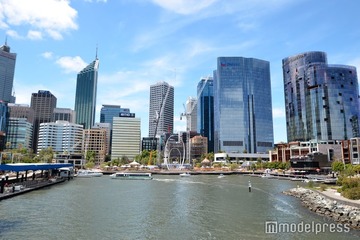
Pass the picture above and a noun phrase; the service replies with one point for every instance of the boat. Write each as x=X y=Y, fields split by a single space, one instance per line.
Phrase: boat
x=66 y=172
x=266 y=175
x=88 y=173
x=185 y=174
x=131 y=176
x=221 y=175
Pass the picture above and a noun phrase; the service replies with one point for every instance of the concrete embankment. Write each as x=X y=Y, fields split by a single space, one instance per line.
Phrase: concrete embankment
x=324 y=206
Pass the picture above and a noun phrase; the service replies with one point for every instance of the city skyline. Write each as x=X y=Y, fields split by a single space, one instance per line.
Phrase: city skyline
x=172 y=41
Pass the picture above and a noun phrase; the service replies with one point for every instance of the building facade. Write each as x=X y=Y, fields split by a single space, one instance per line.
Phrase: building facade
x=321 y=100
x=108 y=112
x=21 y=111
x=107 y=128
x=4 y=117
x=191 y=119
x=95 y=140
x=85 y=97
x=126 y=139
x=242 y=106
x=61 y=136
x=19 y=133
x=43 y=103
x=7 y=71
x=205 y=110
x=161 y=109
x=64 y=114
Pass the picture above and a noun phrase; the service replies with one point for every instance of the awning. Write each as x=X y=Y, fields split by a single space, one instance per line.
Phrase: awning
x=17 y=167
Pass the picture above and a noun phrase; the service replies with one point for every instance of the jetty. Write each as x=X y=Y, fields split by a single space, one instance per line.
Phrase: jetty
x=18 y=179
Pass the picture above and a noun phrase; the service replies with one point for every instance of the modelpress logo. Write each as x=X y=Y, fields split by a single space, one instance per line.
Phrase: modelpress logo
x=275 y=227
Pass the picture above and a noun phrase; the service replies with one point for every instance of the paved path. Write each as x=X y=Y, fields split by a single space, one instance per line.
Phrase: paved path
x=334 y=195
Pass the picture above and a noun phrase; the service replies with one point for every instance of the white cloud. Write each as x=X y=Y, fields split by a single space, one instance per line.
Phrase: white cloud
x=71 y=64
x=47 y=55
x=34 y=35
x=184 y=7
x=13 y=34
x=51 y=17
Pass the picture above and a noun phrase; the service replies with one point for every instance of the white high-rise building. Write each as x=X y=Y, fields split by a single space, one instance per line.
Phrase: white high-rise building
x=161 y=109
x=126 y=138
x=61 y=136
x=191 y=120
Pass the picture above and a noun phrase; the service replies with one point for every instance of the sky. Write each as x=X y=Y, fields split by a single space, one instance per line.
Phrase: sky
x=142 y=42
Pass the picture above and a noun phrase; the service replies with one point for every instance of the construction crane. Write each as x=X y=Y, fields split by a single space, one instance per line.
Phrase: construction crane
x=158 y=115
x=188 y=114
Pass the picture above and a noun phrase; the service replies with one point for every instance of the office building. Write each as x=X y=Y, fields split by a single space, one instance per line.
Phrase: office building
x=107 y=128
x=108 y=112
x=95 y=141
x=242 y=106
x=19 y=133
x=161 y=109
x=4 y=115
x=61 y=136
x=205 y=110
x=64 y=114
x=191 y=118
x=321 y=100
x=21 y=111
x=7 y=71
x=126 y=139
x=85 y=97
x=43 y=103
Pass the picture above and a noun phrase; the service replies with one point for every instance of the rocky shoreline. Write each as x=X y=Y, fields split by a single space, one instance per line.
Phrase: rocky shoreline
x=324 y=206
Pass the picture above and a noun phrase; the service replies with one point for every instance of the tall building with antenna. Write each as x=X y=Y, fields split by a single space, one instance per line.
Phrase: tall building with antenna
x=85 y=97
x=7 y=70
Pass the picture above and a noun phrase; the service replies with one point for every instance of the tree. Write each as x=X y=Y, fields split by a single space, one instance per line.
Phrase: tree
x=46 y=155
x=337 y=166
x=124 y=160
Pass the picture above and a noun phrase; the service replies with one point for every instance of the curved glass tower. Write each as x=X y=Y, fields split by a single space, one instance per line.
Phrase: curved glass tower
x=85 y=98
x=321 y=100
x=7 y=70
x=243 y=110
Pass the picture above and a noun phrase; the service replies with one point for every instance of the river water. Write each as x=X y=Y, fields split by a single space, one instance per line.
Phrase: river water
x=167 y=207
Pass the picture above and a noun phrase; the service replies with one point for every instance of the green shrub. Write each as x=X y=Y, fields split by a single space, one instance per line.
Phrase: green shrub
x=352 y=193
x=350 y=183
x=311 y=184
x=323 y=187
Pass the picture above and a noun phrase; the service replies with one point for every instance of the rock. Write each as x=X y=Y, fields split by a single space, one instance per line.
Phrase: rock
x=332 y=209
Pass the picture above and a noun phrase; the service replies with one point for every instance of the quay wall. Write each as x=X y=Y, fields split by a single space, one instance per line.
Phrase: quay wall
x=324 y=206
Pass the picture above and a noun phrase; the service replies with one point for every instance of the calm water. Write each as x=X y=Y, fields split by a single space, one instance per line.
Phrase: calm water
x=168 y=207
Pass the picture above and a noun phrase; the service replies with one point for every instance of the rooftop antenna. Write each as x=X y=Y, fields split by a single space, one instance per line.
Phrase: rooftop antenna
x=96 y=51
x=6 y=40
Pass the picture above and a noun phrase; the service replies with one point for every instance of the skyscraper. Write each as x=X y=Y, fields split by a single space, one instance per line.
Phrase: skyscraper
x=161 y=109
x=108 y=112
x=321 y=100
x=85 y=98
x=243 y=111
x=205 y=110
x=7 y=70
x=43 y=102
x=191 y=119
x=126 y=138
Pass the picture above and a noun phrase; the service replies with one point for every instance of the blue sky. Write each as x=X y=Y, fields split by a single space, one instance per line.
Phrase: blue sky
x=141 y=42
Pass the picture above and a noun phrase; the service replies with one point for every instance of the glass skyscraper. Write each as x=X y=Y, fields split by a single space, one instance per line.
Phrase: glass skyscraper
x=205 y=110
x=242 y=106
x=161 y=97
x=85 y=97
x=321 y=100
x=108 y=112
x=7 y=70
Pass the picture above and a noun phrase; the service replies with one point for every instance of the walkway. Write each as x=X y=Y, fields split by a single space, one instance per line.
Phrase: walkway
x=334 y=195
